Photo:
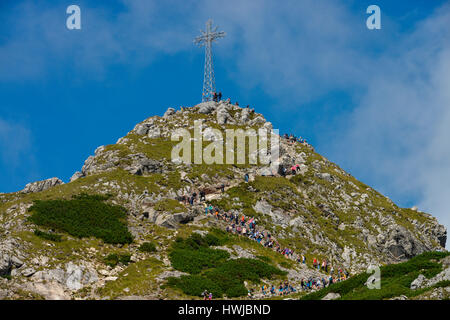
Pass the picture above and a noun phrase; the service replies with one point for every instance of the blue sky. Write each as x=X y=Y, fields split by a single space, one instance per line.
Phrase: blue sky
x=376 y=102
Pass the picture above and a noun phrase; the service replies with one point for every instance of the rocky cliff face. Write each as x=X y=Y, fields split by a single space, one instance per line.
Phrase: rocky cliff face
x=322 y=212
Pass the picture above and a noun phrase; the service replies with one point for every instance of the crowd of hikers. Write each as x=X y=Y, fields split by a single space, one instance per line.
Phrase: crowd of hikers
x=294 y=139
x=294 y=169
x=207 y=295
x=246 y=226
x=241 y=225
x=217 y=96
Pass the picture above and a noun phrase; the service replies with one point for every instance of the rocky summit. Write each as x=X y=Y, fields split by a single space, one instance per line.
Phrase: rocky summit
x=124 y=227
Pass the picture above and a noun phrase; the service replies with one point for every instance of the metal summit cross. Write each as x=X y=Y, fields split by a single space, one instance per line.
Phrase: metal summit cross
x=206 y=39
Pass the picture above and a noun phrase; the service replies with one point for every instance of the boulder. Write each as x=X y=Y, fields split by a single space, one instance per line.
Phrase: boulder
x=419 y=282
x=5 y=264
x=41 y=185
x=168 y=220
x=442 y=276
x=141 y=129
x=222 y=115
x=207 y=107
x=325 y=176
x=74 y=277
x=28 y=272
x=154 y=132
x=257 y=120
x=245 y=115
x=277 y=215
x=169 y=112
x=242 y=253
x=401 y=244
x=141 y=165
x=402 y=297
x=77 y=175
x=331 y=296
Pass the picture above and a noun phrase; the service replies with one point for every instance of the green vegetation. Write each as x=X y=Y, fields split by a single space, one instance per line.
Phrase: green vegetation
x=169 y=205
x=138 y=278
x=395 y=280
x=210 y=269
x=83 y=216
x=192 y=255
x=48 y=236
x=148 y=247
x=113 y=259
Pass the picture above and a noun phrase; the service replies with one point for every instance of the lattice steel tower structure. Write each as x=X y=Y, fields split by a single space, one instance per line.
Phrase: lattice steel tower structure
x=206 y=39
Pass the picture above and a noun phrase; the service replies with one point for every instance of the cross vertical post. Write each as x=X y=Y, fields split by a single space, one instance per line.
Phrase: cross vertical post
x=206 y=39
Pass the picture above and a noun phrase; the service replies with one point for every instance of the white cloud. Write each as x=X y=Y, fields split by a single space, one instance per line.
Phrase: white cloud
x=38 y=38
x=398 y=138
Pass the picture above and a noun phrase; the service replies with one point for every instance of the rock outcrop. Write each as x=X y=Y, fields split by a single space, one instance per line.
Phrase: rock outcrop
x=41 y=185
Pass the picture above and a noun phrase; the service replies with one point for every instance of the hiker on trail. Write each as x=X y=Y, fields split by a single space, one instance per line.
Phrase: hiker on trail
x=237 y=104
x=272 y=289
x=210 y=296
x=229 y=100
x=246 y=177
x=248 y=106
x=205 y=294
x=222 y=188
x=293 y=170
x=297 y=167
x=240 y=224
x=194 y=196
x=202 y=195
x=215 y=96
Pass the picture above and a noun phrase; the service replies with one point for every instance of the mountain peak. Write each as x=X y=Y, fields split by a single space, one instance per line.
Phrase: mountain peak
x=307 y=203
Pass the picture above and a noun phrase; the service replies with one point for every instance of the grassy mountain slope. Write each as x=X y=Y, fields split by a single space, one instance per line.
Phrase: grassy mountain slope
x=321 y=212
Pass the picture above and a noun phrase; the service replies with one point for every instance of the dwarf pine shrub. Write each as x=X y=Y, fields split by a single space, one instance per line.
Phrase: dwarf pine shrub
x=147 y=247
x=395 y=280
x=211 y=269
x=113 y=259
x=48 y=236
x=83 y=216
